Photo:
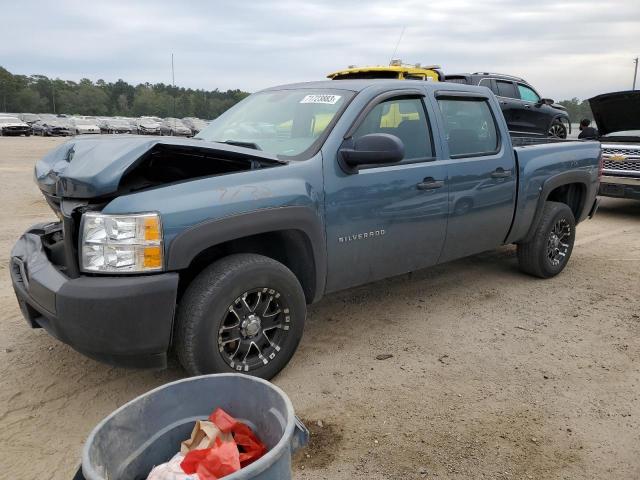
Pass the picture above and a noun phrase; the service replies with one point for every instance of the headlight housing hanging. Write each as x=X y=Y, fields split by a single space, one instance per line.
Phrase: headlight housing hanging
x=121 y=243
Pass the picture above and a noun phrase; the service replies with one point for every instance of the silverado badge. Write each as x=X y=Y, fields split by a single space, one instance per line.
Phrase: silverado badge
x=361 y=236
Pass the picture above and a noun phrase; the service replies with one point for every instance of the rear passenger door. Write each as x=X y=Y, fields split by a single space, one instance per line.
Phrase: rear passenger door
x=509 y=101
x=482 y=177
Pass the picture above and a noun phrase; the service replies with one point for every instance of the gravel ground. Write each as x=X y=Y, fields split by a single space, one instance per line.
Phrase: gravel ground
x=493 y=375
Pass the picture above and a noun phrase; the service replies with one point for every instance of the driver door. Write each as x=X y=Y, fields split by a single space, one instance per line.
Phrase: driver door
x=387 y=219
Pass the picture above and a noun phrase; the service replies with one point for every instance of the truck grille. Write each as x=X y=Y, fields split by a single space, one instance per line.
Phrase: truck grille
x=629 y=151
x=630 y=164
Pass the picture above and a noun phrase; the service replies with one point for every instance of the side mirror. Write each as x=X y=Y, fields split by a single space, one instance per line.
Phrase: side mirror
x=545 y=101
x=372 y=149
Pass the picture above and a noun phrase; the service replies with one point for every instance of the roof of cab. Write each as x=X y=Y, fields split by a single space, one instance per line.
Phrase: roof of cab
x=380 y=84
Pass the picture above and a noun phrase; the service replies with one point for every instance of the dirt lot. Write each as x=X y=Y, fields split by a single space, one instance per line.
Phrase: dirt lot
x=494 y=374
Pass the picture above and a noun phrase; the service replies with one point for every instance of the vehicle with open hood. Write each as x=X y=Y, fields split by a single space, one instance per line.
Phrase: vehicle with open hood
x=213 y=246
x=617 y=115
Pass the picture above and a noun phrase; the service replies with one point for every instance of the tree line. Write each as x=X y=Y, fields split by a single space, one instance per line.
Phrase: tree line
x=41 y=94
x=577 y=109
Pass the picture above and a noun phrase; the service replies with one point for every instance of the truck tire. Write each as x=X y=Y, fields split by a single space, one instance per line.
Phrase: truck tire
x=547 y=253
x=244 y=313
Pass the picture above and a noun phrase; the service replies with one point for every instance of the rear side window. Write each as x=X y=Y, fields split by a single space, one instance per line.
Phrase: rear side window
x=506 y=89
x=469 y=126
x=405 y=118
x=527 y=94
x=462 y=80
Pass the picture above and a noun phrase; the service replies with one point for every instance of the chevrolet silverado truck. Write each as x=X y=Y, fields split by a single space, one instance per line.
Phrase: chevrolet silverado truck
x=618 y=118
x=213 y=247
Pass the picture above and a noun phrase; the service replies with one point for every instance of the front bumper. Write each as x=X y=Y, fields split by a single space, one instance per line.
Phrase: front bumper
x=620 y=187
x=121 y=320
x=16 y=131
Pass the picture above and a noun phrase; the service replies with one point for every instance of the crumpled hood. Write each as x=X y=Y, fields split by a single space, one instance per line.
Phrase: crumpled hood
x=617 y=111
x=93 y=167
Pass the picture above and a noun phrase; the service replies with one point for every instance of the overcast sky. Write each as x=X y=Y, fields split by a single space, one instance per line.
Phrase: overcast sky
x=564 y=48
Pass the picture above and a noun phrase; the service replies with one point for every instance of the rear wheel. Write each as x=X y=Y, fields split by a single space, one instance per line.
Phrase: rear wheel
x=548 y=252
x=558 y=130
x=244 y=313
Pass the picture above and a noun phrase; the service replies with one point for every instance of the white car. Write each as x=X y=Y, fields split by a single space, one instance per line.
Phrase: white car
x=83 y=126
x=14 y=126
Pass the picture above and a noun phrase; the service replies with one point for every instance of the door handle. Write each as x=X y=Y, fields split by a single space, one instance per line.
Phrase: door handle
x=527 y=106
x=500 y=173
x=430 y=184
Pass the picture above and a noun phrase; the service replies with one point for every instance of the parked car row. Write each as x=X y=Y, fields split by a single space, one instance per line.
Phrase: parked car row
x=48 y=125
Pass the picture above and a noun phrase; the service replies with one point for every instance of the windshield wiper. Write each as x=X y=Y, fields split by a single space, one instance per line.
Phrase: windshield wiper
x=239 y=143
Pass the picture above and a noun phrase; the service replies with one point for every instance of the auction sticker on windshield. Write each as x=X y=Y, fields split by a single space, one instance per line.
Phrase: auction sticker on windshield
x=326 y=99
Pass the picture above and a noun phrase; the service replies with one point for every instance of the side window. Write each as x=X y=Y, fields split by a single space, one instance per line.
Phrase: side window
x=469 y=125
x=527 y=94
x=405 y=118
x=506 y=89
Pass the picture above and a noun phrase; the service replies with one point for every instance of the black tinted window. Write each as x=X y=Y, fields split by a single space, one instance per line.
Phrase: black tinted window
x=405 y=118
x=462 y=80
x=506 y=89
x=470 y=126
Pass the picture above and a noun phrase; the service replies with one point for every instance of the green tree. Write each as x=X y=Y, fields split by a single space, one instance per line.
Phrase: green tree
x=40 y=94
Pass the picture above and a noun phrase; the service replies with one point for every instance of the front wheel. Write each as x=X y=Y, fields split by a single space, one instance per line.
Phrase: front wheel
x=558 y=130
x=244 y=313
x=547 y=253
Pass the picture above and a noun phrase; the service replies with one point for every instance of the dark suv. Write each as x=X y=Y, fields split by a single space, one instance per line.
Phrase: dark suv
x=526 y=112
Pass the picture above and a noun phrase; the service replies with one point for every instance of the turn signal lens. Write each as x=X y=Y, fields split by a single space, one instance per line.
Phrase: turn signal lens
x=152 y=229
x=152 y=257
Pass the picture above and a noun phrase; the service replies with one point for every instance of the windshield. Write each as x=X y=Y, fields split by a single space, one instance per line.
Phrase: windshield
x=286 y=123
x=9 y=120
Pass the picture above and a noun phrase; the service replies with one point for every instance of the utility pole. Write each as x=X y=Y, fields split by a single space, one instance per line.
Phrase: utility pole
x=635 y=73
x=173 y=82
x=53 y=95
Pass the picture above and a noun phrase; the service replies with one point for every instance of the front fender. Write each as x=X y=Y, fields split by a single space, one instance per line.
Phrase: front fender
x=194 y=240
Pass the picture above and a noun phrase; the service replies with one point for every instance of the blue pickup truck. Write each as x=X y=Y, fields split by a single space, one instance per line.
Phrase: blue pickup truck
x=212 y=247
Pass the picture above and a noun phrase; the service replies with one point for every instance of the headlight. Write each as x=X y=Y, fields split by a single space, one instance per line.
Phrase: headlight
x=121 y=243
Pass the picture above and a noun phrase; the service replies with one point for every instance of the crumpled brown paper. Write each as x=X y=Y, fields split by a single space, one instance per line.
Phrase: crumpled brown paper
x=203 y=436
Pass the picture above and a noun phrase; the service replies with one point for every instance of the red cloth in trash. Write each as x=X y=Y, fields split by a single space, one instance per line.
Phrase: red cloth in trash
x=224 y=458
x=249 y=446
x=212 y=463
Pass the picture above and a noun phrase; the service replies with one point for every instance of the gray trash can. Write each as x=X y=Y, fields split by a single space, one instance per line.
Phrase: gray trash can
x=148 y=430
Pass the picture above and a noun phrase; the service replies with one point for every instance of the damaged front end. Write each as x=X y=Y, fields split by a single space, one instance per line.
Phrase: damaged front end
x=86 y=174
x=114 y=313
